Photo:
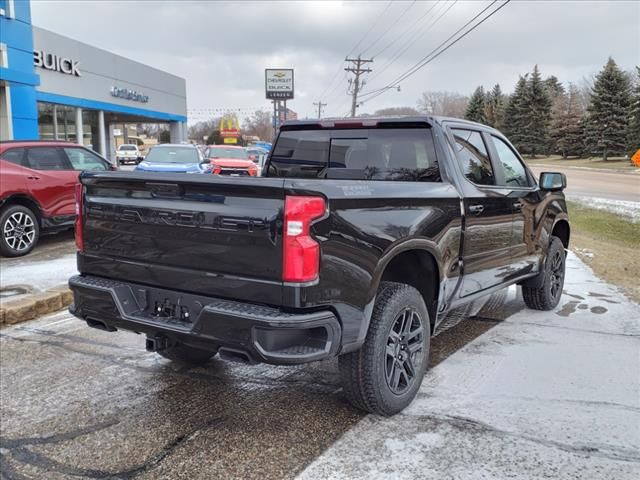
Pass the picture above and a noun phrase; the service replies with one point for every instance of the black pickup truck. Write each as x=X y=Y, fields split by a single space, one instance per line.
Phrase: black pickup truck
x=358 y=238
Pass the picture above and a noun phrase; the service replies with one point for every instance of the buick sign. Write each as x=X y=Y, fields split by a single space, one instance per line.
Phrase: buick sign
x=129 y=94
x=49 y=61
x=278 y=83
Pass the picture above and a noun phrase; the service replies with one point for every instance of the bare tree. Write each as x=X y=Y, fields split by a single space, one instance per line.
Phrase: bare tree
x=201 y=130
x=448 y=104
x=584 y=87
x=395 y=111
x=259 y=125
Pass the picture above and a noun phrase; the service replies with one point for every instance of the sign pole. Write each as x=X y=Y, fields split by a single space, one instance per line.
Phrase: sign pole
x=275 y=113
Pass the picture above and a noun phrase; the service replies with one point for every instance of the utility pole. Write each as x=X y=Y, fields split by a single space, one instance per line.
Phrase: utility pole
x=356 y=84
x=320 y=106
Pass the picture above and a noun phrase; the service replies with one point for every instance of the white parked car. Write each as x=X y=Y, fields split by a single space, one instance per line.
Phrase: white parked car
x=128 y=153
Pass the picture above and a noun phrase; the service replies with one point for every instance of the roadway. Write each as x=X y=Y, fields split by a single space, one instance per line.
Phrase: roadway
x=597 y=183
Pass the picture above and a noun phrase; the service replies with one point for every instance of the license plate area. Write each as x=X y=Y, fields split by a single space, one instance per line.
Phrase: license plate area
x=171 y=307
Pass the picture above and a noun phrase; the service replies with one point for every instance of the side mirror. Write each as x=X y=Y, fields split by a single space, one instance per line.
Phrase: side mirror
x=553 y=181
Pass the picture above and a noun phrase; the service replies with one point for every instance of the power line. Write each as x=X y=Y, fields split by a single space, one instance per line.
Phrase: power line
x=389 y=28
x=390 y=44
x=370 y=29
x=439 y=50
x=407 y=45
x=339 y=84
x=354 y=48
x=426 y=60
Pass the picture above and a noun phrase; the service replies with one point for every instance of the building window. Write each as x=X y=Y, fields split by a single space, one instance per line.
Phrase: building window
x=58 y=122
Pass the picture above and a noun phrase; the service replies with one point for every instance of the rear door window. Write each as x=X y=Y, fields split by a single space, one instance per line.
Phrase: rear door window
x=82 y=159
x=47 y=158
x=473 y=156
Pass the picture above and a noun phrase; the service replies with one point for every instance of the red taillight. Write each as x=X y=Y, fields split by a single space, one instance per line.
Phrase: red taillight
x=215 y=169
x=301 y=253
x=79 y=224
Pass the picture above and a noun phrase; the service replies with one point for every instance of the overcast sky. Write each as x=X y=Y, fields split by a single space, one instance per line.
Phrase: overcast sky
x=222 y=48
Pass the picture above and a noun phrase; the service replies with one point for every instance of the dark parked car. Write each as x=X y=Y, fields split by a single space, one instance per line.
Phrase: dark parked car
x=358 y=239
x=37 y=190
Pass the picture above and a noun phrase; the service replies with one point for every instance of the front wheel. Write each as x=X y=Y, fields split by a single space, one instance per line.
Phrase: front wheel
x=545 y=290
x=19 y=231
x=384 y=376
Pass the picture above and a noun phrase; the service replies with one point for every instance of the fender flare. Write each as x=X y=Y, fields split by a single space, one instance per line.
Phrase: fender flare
x=398 y=248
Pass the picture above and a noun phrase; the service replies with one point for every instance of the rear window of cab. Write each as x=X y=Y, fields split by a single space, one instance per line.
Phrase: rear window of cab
x=400 y=154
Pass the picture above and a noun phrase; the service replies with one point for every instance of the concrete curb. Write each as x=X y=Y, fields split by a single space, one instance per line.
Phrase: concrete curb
x=35 y=305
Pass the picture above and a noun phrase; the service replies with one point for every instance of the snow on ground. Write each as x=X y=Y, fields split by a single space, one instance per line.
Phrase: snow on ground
x=40 y=275
x=541 y=395
x=620 y=207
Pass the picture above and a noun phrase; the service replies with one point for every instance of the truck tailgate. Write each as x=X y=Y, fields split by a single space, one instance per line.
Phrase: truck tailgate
x=196 y=233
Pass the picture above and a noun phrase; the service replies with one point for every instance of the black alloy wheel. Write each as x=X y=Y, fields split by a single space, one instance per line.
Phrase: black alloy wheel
x=556 y=273
x=404 y=351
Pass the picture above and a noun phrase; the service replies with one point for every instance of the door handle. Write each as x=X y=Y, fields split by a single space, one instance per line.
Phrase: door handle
x=477 y=209
x=517 y=205
x=33 y=177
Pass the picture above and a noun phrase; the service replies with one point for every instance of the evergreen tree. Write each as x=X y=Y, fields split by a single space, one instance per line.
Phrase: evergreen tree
x=567 y=129
x=537 y=106
x=634 y=121
x=554 y=88
x=475 y=109
x=494 y=107
x=515 y=114
x=608 y=112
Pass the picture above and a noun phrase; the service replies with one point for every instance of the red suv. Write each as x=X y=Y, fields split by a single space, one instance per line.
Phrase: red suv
x=37 y=189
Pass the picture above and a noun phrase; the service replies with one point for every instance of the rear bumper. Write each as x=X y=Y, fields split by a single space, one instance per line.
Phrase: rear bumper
x=259 y=333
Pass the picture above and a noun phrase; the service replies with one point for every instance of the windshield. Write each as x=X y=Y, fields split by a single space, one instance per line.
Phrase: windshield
x=227 y=152
x=173 y=155
x=127 y=147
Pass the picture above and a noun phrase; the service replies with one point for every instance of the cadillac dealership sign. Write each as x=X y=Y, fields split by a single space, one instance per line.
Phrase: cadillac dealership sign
x=129 y=94
x=49 y=61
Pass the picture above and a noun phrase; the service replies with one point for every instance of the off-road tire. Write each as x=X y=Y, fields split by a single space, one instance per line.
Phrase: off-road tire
x=545 y=290
x=186 y=355
x=13 y=212
x=363 y=372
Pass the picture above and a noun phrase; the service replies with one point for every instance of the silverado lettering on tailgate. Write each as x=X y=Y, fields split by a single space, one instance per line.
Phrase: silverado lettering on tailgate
x=203 y=220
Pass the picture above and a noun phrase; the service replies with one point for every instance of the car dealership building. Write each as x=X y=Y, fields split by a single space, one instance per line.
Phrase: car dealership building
x=53 y=87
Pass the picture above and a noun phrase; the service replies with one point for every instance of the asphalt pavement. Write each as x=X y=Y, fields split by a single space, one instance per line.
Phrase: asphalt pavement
x=542 y=395
x=583 y=182
x=82 y=403
x=511 y=393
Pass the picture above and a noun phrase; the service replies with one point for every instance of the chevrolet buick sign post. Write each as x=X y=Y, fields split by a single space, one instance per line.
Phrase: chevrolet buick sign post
x=278 y=85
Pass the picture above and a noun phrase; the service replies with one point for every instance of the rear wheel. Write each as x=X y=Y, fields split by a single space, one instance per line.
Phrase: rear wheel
x=19 y=231
x=544 y=292
x=384 y=376
x=187 y=355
